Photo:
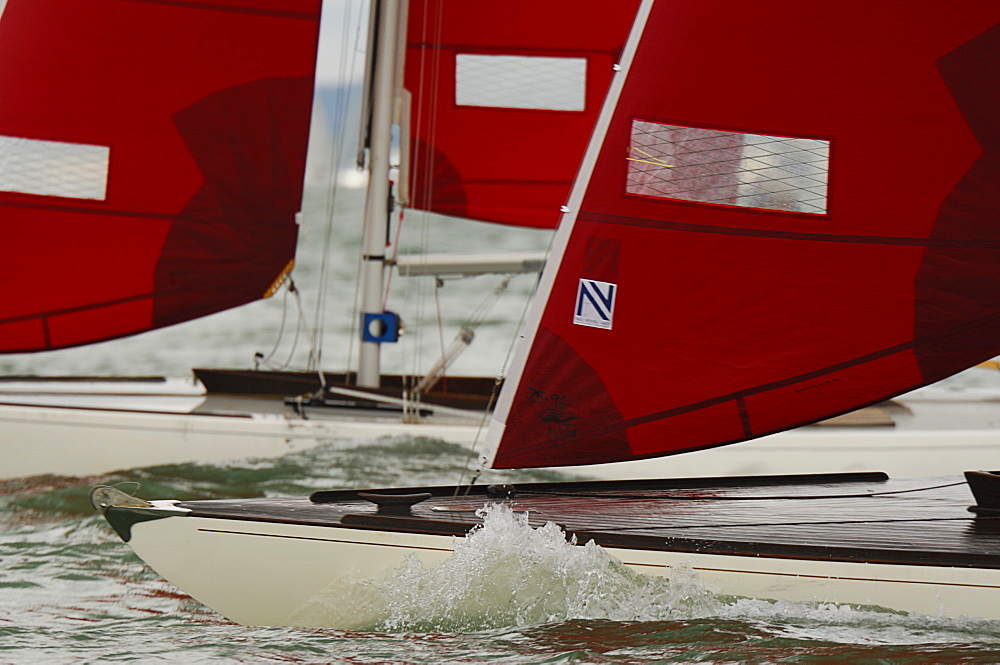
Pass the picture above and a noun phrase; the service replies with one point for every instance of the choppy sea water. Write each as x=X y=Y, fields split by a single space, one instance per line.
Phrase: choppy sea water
x=71 y=591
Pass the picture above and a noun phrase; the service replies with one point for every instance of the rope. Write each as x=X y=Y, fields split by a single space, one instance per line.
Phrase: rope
x=260 y=359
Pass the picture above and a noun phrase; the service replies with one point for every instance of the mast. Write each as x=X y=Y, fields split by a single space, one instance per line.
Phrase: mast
x=376 y=217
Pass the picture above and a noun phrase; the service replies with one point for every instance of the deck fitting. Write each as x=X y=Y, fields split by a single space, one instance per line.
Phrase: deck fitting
x=394 y=504
x=985 y=486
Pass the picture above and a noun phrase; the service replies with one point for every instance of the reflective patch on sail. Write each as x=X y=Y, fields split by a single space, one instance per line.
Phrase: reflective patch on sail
x=595 y=304
x=728 y=168
x=53 y=168
x=521 y=82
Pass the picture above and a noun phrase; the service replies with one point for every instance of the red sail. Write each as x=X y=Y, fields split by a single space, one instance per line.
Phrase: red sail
x=152 y=160
x=793 y=214
x=504 y=98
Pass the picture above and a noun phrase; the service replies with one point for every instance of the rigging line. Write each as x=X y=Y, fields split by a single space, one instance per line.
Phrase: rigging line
x=504 y=367
x=434 y=23
x=424 y=121
x=391 y=259
x=259 y=358
x=498 y=384
x=863 y=495
x=438 y=285
x=303 y=325
x=483 y=424
x=291 y=351
x=428 y=83
x=353 y=338
x=347 y=64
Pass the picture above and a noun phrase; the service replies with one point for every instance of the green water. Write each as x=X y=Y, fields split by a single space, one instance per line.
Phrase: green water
x=71 y=592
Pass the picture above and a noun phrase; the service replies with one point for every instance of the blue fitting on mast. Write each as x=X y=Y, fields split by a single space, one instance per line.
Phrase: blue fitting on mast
x=380 y=328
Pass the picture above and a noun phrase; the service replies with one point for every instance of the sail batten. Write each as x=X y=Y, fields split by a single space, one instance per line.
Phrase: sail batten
x=759 y=249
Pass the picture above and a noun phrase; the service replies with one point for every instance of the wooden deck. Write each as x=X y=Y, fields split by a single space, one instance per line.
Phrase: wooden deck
x=845 y=517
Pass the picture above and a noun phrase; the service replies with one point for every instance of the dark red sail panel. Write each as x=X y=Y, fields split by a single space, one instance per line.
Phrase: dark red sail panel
x=504 y=99
x=793 y=215
x=153 y=157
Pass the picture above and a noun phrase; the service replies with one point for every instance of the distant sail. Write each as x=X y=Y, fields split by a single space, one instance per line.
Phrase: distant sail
x=504 y=99
x=151 y=160
x=793 y=214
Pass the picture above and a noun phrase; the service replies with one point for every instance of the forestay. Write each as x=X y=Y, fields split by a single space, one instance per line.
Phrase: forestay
x=789 y=212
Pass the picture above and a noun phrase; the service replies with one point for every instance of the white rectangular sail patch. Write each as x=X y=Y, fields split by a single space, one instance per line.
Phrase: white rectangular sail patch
x=53 y=168
x=520 y=82
x=595 y=304
x=728 y=168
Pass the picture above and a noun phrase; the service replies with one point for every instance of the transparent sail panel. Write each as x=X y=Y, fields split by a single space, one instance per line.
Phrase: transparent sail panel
x=53 y=168
x=521 y=82
x=728 y=168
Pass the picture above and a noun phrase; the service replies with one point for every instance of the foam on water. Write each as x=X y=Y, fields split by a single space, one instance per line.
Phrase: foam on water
x=506 y=573
x=509 y=573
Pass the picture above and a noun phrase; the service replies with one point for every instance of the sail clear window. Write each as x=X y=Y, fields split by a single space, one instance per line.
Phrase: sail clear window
x=521 y=82
x=53 y=168
x=728 y=168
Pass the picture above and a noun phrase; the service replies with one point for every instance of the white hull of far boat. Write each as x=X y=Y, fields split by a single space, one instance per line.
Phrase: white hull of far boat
x=313 y=572
x=928 y=433
x=82 y=428
x=87 y=441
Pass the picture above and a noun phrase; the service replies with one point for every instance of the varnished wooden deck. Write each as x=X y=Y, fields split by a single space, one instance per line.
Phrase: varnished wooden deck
x=847 y=517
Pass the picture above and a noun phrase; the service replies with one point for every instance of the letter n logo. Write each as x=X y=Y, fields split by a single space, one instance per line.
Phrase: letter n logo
x=595 y=304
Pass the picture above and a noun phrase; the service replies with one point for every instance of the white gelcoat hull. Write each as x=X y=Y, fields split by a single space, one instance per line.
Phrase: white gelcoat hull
x=823 y=450
x=85 y=441
x=268 y=574
x=934 y=432
x=937 y=433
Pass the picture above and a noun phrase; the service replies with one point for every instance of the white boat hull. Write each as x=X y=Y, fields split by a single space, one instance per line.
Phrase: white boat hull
x=259 y=573
x=88 y=441
x=86 y=428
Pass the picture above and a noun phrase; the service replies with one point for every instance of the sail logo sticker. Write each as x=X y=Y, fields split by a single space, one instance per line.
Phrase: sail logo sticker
x=595 y=304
